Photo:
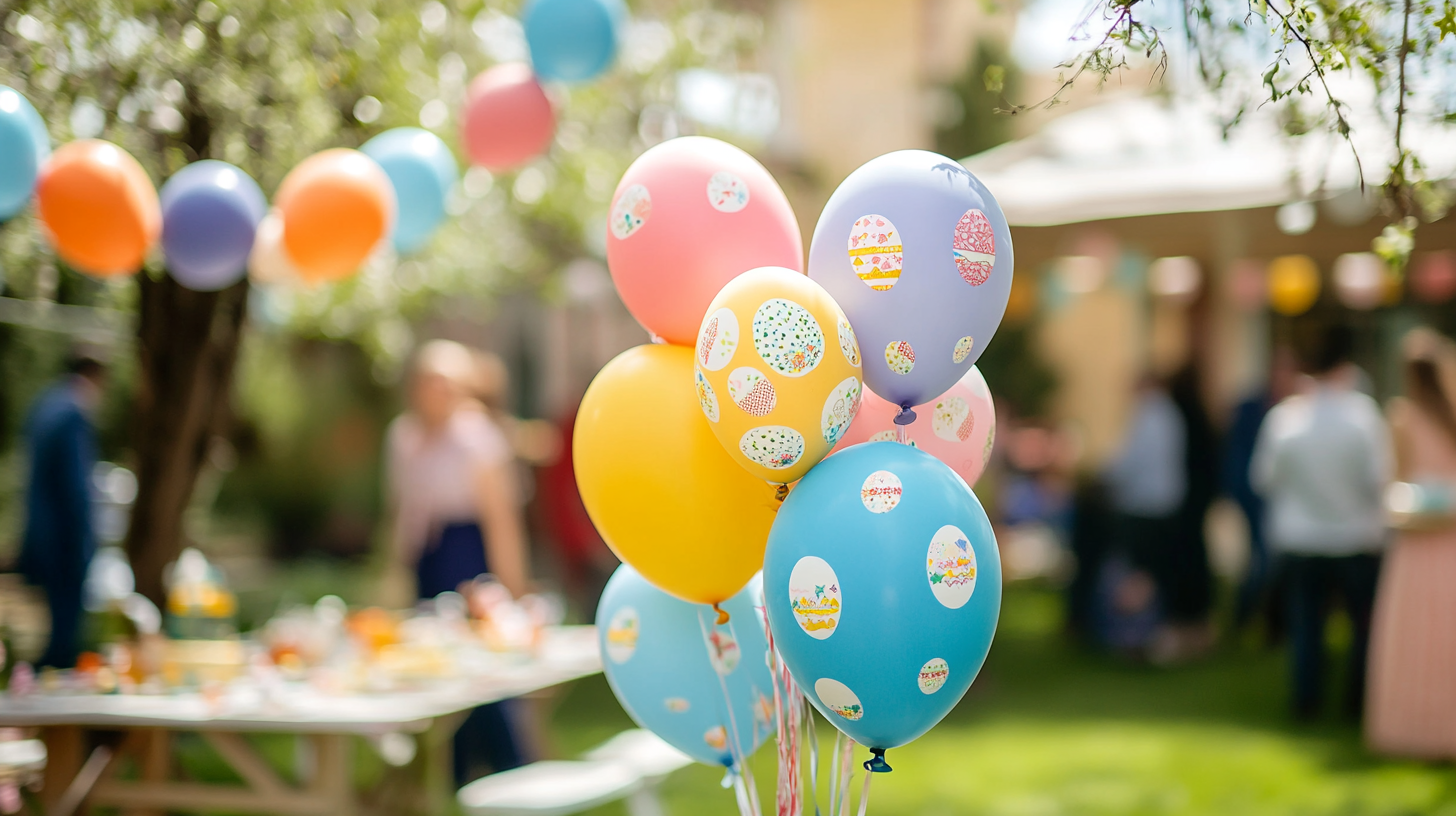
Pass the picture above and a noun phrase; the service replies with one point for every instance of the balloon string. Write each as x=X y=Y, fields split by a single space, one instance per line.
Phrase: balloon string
x=864 y=795
x=902 y=434
x=810 y=728
x=735 y=746
x=834 y=773
x=846 y=768
x=788 y=704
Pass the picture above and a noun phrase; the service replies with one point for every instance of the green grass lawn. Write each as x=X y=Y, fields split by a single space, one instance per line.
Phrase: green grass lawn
x=1049 y=730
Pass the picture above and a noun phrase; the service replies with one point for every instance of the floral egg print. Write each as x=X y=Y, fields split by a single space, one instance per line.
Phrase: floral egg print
x=751 y=390
x=787 y=337
x=963 y=348
x=727 y=192
x=840 y=409
x=622 y=635
x=723 y=652
x=707 y=399
x=952 y=420
x=933 y=675
x=838 y=698
x=876 y=252
x=773 y=446
x=716 y=738
x=717 y=339
x=975 y=247
x=900 y=357
x=631 y=211
x=848 y=343
x=950 y=566
x=881 y=491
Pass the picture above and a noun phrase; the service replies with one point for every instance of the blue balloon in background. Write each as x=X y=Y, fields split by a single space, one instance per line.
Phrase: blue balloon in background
x=918 y=254
x=210 y=212
x=671 y=679
x=422 y=170
x=572 y=40
x=24 y=147
x=883 y=584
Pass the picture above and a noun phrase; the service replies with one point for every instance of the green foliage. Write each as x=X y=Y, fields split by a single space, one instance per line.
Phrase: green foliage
x=990 y=79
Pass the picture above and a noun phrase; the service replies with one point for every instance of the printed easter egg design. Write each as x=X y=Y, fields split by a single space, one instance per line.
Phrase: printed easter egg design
x=716 y=738
x=763 y=709
x=933 y=675
x=990 y=442
x=814 y=597
x=848 y=343
x=723 y=652
x=837 y=697
x=881 y=491
x=839 y=409
x=900 y=357
x=875 y=252
x=727 y=192
x=787 y=337
x=631 y=211
x=751 y=390
x=975 y=247
x=884 y=436
x=962 y=350
x=622 y=634
x=950 y=566
x=707 y=398
x=952 y=420
x=717 y=339
x=677 y=705
x=773 y=446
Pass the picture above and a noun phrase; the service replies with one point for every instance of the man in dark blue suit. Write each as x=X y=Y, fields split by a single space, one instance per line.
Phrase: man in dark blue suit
x=59 y=542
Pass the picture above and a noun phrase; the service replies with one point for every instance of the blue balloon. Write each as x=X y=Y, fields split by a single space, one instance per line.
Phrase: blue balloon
x=572 y=40
x=210 y=212
x=883 y=584
x=422 y=170
x=669 y=665
x=24 y=147
x=918 y=254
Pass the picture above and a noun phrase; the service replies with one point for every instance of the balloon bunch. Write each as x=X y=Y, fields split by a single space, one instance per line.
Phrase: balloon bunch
x=881 y=580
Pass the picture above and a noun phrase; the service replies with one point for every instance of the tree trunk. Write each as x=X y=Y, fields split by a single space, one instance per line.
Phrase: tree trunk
x=187 y=345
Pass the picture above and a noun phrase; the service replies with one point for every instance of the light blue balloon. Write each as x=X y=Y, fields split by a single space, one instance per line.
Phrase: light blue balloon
x=936 y=225
x=883 y=584
x=24 y=147
x=422 y=170
x=672 y=680
x=572 y=40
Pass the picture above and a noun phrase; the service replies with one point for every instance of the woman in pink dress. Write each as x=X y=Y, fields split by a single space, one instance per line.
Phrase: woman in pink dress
x=1411 y=707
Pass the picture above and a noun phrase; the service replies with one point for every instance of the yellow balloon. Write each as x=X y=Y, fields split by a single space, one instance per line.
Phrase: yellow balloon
x=777 y=369
x=659 y=487
x=1294 y=284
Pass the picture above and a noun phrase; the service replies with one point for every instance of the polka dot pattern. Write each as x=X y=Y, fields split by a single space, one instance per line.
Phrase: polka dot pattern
x=787 y=337
x=773 y=446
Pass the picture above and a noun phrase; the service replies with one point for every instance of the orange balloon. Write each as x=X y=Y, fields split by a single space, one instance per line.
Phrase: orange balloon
x=336 y=206
x=99 y=208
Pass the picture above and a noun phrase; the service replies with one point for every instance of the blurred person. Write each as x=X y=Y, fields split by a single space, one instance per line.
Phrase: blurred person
x=1411 y=706
x=453 y=490
x=1321 y=463
x=1147 y=484
x=1188 y=599
x=58 y=542
x=1238 y=452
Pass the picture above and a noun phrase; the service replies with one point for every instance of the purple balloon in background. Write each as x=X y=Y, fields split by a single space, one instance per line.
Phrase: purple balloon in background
x=918 y=254
x=210 y=210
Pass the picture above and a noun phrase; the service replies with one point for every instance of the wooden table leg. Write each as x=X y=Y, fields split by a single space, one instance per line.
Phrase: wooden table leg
x=334 y=773
x=154 y=761
x=65 y=753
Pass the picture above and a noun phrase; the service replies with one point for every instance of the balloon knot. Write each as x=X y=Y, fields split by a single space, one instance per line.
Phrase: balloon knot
x=876 y=763
x=781 y=492
x=722 y=614
x=905 y=417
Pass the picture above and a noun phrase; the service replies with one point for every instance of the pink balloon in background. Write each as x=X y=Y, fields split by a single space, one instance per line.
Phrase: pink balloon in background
x=958 y=427
x=690 y=215
x=507 y=120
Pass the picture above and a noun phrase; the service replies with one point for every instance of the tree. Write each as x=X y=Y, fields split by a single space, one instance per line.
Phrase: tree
x=265 y=83
x=1288 y=52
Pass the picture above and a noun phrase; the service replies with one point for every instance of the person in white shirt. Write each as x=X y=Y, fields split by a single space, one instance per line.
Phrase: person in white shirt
x=1321 y=462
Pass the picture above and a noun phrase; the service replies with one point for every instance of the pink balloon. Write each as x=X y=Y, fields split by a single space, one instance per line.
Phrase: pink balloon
x=690 y=215
x=507 y=119
x=958 y=427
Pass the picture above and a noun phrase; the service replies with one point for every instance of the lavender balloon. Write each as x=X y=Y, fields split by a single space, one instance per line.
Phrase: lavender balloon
x=918 y=254
x=210 y=211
